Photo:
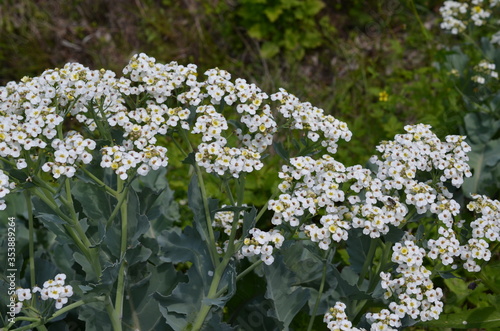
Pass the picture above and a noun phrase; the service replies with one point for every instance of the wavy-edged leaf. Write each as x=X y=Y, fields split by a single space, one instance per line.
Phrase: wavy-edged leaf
x=181 y=246
x=358 y=246
x=287 y=300
x=180 y=308
x=95 y=202
x=142 y=311
x=137 y=223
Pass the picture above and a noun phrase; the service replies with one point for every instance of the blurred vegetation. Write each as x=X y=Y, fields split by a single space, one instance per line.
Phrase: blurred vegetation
x=339 y=55
x=342 y=56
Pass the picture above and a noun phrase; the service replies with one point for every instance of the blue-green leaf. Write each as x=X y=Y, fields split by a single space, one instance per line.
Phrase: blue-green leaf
x=358 y=246
x=287 y=300
x=94 y=200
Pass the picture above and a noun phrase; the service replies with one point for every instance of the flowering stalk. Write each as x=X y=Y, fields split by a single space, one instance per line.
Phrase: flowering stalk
x=369 y=260
x=120 y=287
x=204 y=196
x=31 y=244
x=73 y=228
x=228 y=255
x=321 y=288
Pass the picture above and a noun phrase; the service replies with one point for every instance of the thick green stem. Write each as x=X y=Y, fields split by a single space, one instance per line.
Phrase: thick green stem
x=211 y=236
x=228 y=191
x=212 y=294
x=70 y=226
x=120 y=288
x=31 y=247
x=368 y=261
x=113 y=316
x=75 y=231
x=320 y=292
x=375 y=277
x=28 y=327
x=69 y=200
x=118 y=208
x=40 y=182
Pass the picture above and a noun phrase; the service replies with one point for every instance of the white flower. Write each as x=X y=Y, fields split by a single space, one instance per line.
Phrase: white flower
x=17 y=307
x=23 y=294
x=60 y=302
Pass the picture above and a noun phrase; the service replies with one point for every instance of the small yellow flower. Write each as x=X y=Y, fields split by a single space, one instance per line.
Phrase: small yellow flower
x=383 y=96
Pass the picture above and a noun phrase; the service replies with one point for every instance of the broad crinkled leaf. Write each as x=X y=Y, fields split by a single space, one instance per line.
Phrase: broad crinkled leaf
x=358 y=246
x=181 y=307
x=480 y=127
x=181 y=246
x=95 y=202
x=143 y=311
x=287 y=299
x=137 y=223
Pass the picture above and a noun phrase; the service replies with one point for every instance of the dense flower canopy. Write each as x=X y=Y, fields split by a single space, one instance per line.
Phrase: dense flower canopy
x=69 y=118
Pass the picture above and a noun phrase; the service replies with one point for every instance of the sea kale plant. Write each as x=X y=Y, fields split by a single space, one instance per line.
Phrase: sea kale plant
x=364 y=247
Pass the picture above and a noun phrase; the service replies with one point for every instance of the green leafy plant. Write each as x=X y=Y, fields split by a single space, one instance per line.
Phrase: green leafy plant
x=289 y=26
x=85 y=153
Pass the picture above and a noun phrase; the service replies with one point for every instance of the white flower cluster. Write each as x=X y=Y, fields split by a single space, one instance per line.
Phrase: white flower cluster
x=156 y=79
x=375 y=220
x=446 y=247
x=454 y=13
x=121 y=159
x=74 y=148
x=220 y=159
x=336 y=318
x=254 y=136
x=308 y=185
x=413 y=292
x=457 y=14
x=421 y=150
x=485 y=228
x=304 y=116
x=488 y=225
x=55 y=289
x=32 y=113
x=262 y=243
x=225 y=219
x=484 y=70
x=5 y=187
x=52 y=289
x=35 y=112
x=312 y=187
x=355 y=197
